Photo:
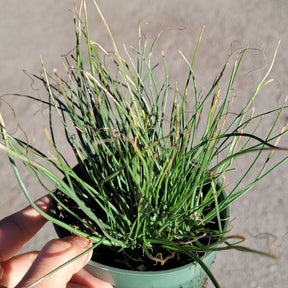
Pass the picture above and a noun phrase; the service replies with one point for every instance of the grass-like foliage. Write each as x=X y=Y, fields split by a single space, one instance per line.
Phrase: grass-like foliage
x=153 y=177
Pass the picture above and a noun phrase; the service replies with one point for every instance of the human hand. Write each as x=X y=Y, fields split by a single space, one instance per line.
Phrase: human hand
x=22 y=270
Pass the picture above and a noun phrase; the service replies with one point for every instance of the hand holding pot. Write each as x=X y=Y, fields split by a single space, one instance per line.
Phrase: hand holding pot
x=22 y=270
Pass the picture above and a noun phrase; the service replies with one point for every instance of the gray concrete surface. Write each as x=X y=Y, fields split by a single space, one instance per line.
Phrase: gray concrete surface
x=32 y=28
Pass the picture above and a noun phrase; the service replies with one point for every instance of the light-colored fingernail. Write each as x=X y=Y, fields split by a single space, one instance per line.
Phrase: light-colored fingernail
x=44 y=203
x=82 y=242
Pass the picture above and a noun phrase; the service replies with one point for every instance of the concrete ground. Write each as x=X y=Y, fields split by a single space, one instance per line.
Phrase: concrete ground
x=29 y=29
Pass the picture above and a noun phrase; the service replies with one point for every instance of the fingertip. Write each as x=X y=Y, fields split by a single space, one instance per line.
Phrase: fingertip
x=82 y=242
x=44 y=203
x=56 y=253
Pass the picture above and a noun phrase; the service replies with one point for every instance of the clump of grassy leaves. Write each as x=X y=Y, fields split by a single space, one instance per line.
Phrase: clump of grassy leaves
x=151 y=171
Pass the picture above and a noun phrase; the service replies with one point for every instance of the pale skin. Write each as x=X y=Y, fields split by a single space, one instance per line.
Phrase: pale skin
x=22 y=270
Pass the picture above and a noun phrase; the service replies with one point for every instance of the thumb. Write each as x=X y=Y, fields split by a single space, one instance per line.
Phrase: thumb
x=55 y=253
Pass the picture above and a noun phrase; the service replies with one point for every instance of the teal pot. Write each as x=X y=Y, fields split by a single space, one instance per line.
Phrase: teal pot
x=187 y=276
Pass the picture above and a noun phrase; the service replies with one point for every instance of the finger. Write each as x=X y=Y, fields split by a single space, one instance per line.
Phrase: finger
x=83 y=278
x=18 y=228
x=54 y=254
x=15 y=268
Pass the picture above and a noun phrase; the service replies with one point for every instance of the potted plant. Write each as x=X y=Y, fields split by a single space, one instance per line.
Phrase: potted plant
x=149 y=184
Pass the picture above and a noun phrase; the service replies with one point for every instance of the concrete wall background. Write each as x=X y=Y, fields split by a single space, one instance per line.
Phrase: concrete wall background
x=29 y=29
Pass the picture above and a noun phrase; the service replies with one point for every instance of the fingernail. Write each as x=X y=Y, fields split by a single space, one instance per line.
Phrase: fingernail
x=44 y=203
x=82 y=242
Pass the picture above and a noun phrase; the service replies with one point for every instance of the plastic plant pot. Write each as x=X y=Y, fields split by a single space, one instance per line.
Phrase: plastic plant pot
x=188 y=276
